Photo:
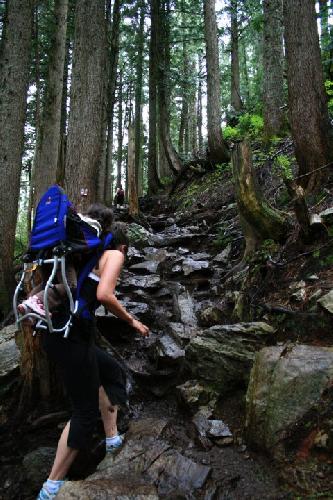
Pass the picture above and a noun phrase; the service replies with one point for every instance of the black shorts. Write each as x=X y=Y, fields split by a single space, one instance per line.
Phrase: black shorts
x=85 y=367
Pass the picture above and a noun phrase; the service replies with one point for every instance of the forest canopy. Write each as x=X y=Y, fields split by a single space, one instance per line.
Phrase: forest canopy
x=184 y=80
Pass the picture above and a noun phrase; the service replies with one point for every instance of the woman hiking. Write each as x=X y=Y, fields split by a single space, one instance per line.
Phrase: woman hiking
x=92 y=378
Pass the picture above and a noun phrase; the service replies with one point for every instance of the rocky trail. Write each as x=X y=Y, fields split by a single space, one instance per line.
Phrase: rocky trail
x=185 y=426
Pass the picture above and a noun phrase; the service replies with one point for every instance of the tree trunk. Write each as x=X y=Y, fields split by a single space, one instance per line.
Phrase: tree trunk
x=245 y=74
x=258 y=219
x=273 y=98
x=49 y=139
x=84 y=145
x=153 y=181
x=217 y=148
x=138 y=97
x=133 y=202
x=120 y=129
x=14 y=77
x=162 y=44
x=114 y=57
x=199 y=108
x=309 y=120
x=64 y=115
x=236 y=101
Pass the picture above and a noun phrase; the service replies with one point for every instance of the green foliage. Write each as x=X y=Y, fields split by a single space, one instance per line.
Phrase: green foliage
x=282 y=166
x=231 y=133
x=249 y=125
x=222 y=240
x=21 y=237
x=329 y=92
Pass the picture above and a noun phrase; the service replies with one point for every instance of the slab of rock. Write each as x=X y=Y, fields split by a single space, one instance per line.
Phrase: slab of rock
x=222 y=356
x=176 y=239
x=210 y=315
x=167 y=350
x=156 y=254
x=146 y=459
x=37 y=465
x=176 y=473
x=200 y=256
x=196 y=395
x=9 y=352
x=148 y=265
x=106 y=489
x=143 y=282
x=184 y=306
x=134 y=256
x=181 y=333
x=327 y=301
x=289 y=396
x=190 y=266
x=139 y=236
x=223 y=256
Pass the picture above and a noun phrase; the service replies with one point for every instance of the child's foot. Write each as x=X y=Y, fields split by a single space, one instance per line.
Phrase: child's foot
x=114 y=443
x=32 y=304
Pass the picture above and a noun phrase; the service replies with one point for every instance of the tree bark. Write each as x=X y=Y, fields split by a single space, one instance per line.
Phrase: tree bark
x=113 y=57
x=84 y=145
x=199 y=108
x=49 y=138
x=153 y=181
x=217 y=148
x=120 y=129
x=14 y=77
x=138 y=96
x=258 y=219
x=133 y=202
x=236 y=101
x=309 y=120
x=162 y=45
x=273 y=98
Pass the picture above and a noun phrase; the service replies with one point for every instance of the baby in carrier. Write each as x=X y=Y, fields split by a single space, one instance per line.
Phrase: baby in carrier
x=57 y=293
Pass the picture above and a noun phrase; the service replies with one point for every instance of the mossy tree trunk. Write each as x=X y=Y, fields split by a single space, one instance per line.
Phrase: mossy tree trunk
x=310 y=126
x=259 y=220
x=88 y=97
x=15 y=53
x=49 y=138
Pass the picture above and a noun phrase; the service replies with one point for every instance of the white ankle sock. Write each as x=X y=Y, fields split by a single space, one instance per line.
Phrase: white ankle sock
x=109 y=441
x=53 y=486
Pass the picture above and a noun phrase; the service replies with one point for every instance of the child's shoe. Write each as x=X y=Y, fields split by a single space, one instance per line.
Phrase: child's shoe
x=32 y=304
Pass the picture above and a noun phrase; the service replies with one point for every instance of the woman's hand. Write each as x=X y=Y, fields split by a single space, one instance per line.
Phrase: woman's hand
x=140 y=327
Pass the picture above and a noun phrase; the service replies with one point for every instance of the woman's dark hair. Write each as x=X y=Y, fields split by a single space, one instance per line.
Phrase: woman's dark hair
x=120 y=235
x=103 y=214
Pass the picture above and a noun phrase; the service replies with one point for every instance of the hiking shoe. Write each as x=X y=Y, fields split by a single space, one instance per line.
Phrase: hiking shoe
x=45 y=494
x=34 y=304
x=111 y=448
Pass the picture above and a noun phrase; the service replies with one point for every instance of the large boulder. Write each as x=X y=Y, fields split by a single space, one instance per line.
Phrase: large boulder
x=147 y=466
x=9 y=352
x=222 y=356
x=139 y=236
x=37 y=465
x=289 y=399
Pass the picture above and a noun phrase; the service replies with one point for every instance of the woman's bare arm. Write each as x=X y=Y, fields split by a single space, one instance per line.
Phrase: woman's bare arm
x=110 y=267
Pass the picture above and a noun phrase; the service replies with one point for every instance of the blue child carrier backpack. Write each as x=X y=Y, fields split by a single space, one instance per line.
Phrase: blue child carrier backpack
x=58 y=232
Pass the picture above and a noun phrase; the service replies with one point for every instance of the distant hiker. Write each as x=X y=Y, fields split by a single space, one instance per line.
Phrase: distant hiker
x=93 y=379
x=120 y=197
